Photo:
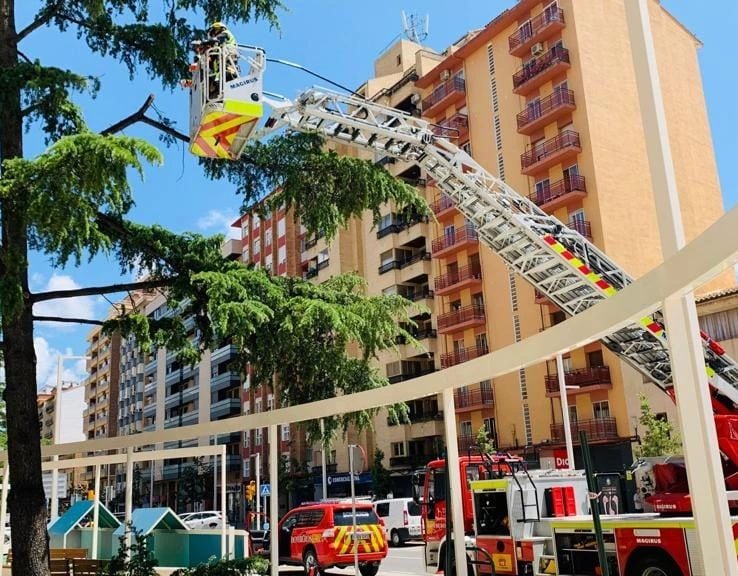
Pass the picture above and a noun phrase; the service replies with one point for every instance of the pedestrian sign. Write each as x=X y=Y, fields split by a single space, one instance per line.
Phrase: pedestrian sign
x=266 y=490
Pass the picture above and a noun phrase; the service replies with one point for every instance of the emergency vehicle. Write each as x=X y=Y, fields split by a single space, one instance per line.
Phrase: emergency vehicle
x=556 y=259
x=506 y=509
x=321 y=535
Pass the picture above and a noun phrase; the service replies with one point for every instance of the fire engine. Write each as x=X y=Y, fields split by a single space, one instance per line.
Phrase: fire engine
x=557 y=260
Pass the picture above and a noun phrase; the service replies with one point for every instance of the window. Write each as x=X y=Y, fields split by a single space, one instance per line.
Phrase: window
x=601 y=410
x=573 y=414
x=258 y=437
x=257 y=406
x=257 y=246
x=570 y=174
x=280 y=227
x=525 y=31
x=490 y=427
x=268 y=262
x=255 y=221
x=543 y=190
x=481 y=341
x=533 y=109
x=285 y=432
x=282 y=254
x=383 y=509
x=551 y=12
x=398 y=449
x=466 y=428
x=450 y=233
x=385 y=257
x=595 y=359
x=478 y=300
x=246 y=440
x=270 y=402
x=268 y=237
x=455 y=305
x=323 y=256
x=385 y=221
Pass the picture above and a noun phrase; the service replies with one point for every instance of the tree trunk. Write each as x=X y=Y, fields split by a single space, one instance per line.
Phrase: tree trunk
x=26 y=501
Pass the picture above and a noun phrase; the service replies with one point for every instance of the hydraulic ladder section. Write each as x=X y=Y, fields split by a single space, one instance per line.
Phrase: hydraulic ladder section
x=557 y=260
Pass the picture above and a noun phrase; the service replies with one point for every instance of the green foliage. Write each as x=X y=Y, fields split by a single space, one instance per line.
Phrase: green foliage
x=135 y=560
x=485 y=444
x=193 y=483
x=659 y=438
x=239 y=567
x=324 y=188
x=381 y=479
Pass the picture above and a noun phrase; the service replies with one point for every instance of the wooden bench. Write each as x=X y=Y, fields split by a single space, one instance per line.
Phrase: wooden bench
x=82 y=567
x=59 y=567
x=56 y=554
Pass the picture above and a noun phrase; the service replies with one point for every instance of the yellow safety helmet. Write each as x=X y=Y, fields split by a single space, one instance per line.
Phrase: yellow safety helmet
x=216 y=27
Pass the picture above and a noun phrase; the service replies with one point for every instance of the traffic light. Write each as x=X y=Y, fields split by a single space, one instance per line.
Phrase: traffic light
x=251 y=491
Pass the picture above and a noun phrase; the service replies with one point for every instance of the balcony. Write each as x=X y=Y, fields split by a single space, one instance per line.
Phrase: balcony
x=585 y=379
x=414 y=461
x=466 y=317
x=555 y=150
x=225 y=408
x=540 y=70
x=463 y=355
x=454 y=240
x=402 y=370
x=467 y=443
x=597 y=429
x=453 y=281
x=550 y=197
x=538 y=29
x=448 y=93
x=469 y=399
x=443 y=206
x=454 y=128
x=581 y=226
x=538 y=113
x=399 y=264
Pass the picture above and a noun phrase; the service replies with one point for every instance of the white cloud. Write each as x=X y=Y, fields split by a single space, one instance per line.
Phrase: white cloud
x=46 y=365
x=219 y=222
x=81 y=307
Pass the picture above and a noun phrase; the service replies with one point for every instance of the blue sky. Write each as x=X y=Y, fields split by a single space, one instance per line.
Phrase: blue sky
x=339 y=39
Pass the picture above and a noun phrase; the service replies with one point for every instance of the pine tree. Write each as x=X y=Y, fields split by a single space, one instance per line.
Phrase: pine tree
x=71 y=203
x=381 y=479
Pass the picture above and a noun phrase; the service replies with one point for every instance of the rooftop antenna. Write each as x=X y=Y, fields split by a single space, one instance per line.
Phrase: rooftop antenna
x=415 y=27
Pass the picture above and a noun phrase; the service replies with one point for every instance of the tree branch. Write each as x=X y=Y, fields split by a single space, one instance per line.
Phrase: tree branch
x=67 y=320
x=140 y=116
x=96 y=290
x=43 y=18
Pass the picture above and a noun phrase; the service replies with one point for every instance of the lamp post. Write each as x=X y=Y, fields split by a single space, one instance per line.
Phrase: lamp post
x=57 y=432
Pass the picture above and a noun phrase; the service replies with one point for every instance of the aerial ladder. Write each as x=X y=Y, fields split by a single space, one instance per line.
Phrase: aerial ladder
x=557 y=260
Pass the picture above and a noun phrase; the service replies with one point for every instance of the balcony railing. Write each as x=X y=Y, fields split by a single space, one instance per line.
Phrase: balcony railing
x=581 y=226
x=462 y=315
x=467 y=443
x=463 y=355
x=452 y=87
x=536 y=67
x=453 y=128
x=441 y=204
x=549 y=20
x=404 y=370
x=557 y=190
x=463 y=274
x=474 y=397
x=597 y=429
x=457 y=236
x=566 y=140
x=582 y=377
x=402 y=263
x=530 y=118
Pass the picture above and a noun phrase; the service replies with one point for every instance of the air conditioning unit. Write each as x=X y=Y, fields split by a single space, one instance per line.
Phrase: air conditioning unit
x=537 y=49
x=445 y=75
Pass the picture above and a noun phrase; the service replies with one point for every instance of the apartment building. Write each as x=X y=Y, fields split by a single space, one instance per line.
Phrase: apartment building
x=71 y=428
x=544 y=96
x=271 y=240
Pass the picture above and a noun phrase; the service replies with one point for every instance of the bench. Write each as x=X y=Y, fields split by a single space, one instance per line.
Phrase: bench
x=82 y=567
x=63 y=554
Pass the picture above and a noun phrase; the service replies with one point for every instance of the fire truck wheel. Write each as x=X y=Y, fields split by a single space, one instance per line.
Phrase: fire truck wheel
x=310 y=562
x=654 y=564
x=369 y=569
x=395 y=539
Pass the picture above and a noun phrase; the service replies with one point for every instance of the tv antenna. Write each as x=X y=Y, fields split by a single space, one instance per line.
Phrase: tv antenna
x=415 y=27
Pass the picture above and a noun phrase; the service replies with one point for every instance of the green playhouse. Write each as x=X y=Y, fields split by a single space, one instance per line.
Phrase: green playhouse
x=74 y=529
x=174 y=545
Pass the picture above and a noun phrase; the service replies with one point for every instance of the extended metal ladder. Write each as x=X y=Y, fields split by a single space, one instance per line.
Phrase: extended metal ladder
x=557 y=260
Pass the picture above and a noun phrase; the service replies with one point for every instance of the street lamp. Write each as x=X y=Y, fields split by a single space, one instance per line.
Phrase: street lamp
x=57 y=432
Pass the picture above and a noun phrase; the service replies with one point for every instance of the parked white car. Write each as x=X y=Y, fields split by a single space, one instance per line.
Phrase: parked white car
x=204 y=519
x=401 y=517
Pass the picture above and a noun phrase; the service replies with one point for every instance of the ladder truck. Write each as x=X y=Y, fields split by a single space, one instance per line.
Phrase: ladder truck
x=558 y=261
